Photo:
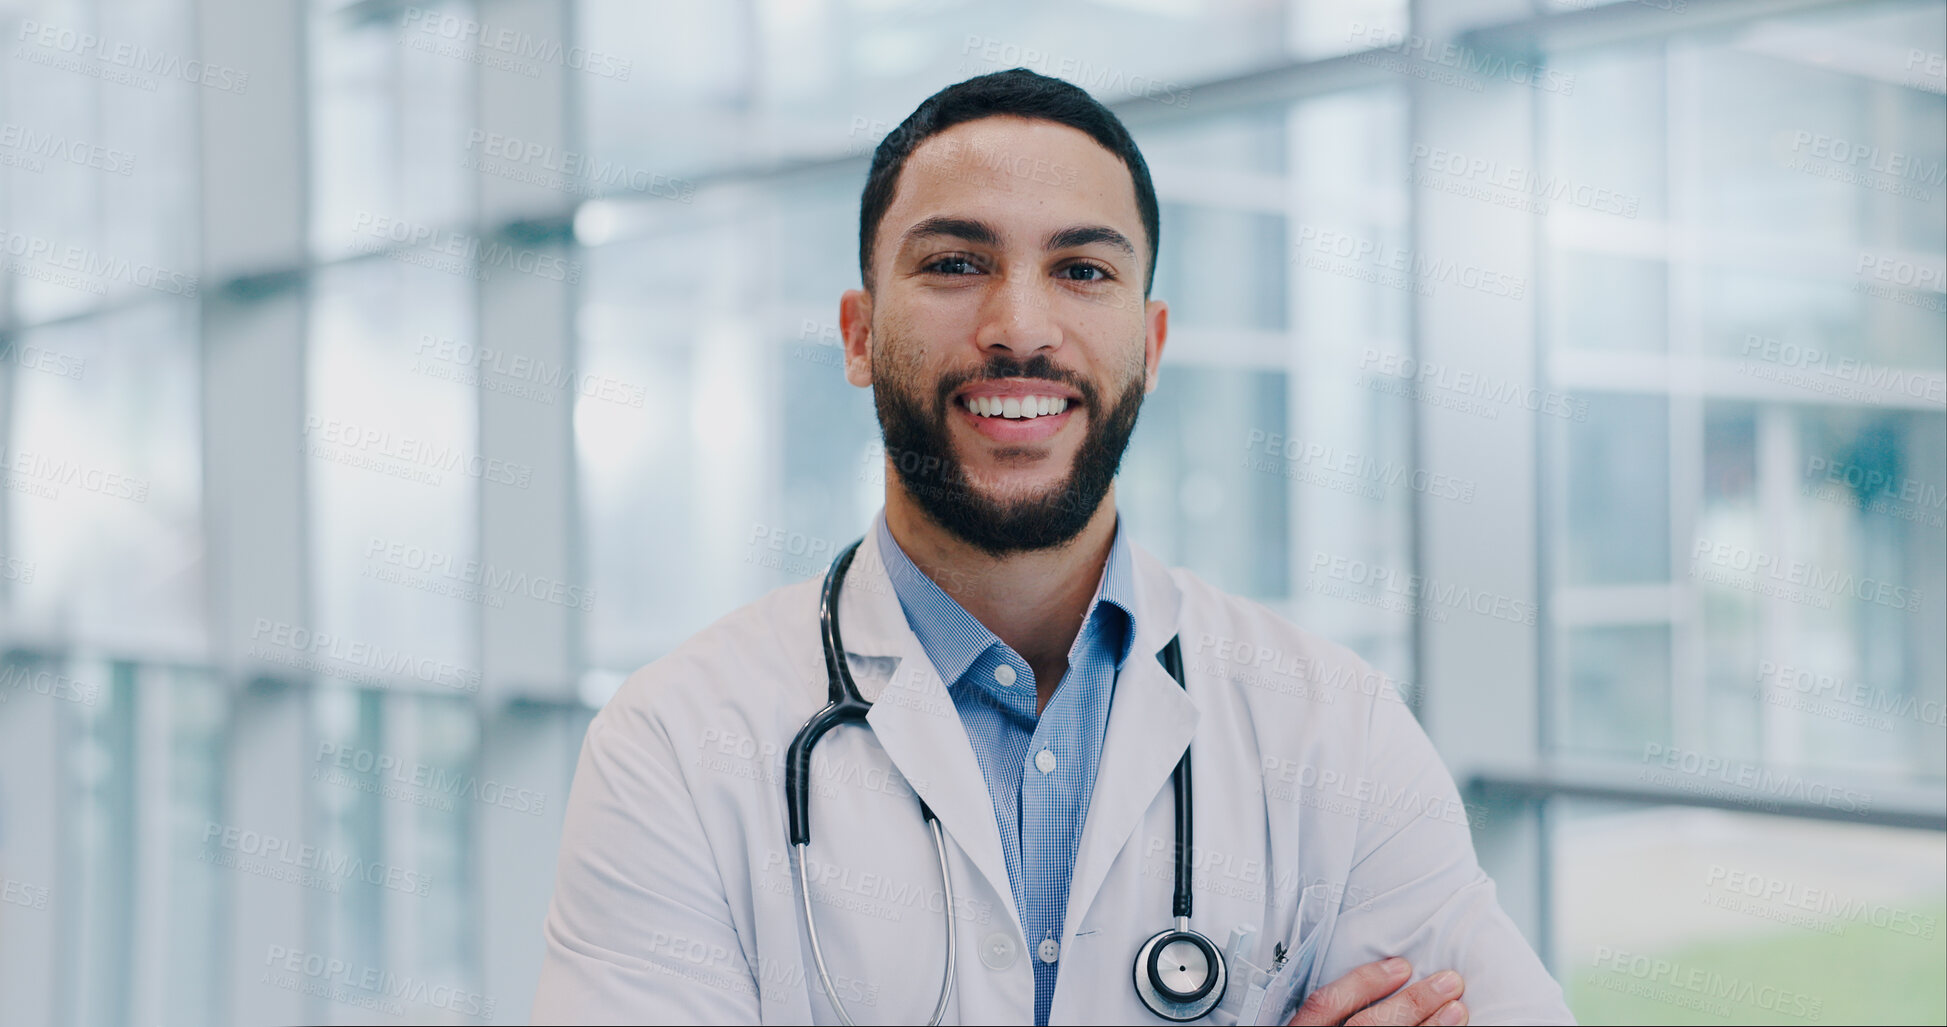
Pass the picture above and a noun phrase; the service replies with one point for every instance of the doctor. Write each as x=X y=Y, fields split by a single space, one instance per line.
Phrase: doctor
x=997 y=840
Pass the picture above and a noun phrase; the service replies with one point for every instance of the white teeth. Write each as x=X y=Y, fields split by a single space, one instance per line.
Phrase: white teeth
x=1018 y=408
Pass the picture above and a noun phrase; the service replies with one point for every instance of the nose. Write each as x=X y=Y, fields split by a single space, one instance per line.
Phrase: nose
x=1018 y=318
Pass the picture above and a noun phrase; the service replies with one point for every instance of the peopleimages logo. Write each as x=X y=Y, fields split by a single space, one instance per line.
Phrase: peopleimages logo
x=321 y=652
x=1469 y=384
x=1416 y=593
x=1820 y=370
x=1748 y=783
x=1523 y=181
x=1397 y=267
x=41 y=469
x=426 y=777
x=366 y=986
x=1297 y=457
x=120 y=61
x=32 y=150
x=1802 y=581
x=1697 y=987
x=84 y=269
x=1428 y=55
x=569 y=171
x=513 y=45
x=1793 y=897
x=271 y=856
x=426 y=458
x=471 y=576
x=443 y=249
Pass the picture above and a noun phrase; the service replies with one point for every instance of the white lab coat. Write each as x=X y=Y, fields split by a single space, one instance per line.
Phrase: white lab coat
x=676 y=898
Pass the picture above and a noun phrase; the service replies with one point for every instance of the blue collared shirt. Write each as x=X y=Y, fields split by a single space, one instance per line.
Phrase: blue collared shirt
x=1040 y=769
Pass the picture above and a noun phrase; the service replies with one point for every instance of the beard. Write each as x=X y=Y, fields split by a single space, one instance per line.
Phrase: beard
x=920 y=448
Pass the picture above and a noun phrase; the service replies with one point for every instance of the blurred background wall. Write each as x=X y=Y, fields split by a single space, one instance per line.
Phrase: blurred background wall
x=380 y=383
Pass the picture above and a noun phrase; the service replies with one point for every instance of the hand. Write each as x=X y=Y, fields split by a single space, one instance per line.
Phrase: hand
x=1355 y=998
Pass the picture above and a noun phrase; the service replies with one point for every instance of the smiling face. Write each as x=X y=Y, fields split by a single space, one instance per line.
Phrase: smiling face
x=1006 y=338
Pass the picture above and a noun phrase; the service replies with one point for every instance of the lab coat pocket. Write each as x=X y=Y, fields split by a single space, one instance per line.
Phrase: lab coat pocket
x=1317 y=911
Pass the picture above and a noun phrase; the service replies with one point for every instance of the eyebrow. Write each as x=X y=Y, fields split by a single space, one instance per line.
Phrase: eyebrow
x=969 y=229
x=1083 y=235
x=981 y=233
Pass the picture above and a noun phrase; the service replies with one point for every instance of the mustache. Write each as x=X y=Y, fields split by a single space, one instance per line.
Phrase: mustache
x=1000 y=365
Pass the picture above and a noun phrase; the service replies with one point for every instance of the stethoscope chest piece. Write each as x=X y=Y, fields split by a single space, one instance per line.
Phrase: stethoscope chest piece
x=1179 y=974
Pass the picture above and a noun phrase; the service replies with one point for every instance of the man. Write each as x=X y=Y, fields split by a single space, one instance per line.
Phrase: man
x=1008 y=635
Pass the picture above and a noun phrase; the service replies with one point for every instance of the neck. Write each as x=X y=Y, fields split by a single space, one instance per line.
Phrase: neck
x=1032 y=601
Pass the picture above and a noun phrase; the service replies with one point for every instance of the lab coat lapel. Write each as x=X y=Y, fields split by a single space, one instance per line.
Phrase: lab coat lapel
x=915 y=720
x=1151 y=721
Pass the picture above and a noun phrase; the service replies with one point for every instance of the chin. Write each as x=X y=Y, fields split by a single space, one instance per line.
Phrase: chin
x=1010 y=489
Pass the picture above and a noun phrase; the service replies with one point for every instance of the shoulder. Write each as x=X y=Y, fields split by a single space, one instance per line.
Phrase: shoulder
x=1267 y=660
x=761 y=658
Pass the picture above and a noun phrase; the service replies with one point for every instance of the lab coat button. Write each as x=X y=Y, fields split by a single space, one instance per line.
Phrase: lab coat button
x=1050 y=950
x=998 y=951
x=1005 y=675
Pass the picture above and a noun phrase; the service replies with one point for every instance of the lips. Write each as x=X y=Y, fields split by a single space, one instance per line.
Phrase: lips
x=1016 y=398
x=1017 y=410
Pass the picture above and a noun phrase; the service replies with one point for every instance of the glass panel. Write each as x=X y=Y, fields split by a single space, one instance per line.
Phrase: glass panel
x=1608 y=301
x=1223 y=269
x=394 y=470
x=348 y=913
x=1347 y=455
x=399 y=787
x=1618 y=689
x=197 y=905
x=1603 y=140
x=97 y=887
x=694 y=87
x=1733 y=640
x=639 y=471
x=96 y=150
x=103 y=480
x=1802 y=261
x=1229 y=519
x=1858 y=674
x=1618 y=474
x=1690 y=916
x=390 y=141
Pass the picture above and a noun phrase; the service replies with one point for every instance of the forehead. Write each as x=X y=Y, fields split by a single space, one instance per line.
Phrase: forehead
x=1018 y=174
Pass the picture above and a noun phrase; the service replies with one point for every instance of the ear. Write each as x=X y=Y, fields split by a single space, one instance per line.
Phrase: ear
x=1156 y=322
x=855 y=324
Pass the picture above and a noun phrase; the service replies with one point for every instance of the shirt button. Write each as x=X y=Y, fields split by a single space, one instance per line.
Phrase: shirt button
x=1044 y=761
x=1005 y=675
x=997 y=951
x=1050 y=950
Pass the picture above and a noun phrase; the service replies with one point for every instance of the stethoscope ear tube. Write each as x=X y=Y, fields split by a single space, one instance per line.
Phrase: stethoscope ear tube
x=797 y=767
x=843 y=703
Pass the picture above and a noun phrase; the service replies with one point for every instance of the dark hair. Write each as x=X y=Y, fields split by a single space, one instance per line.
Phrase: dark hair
x=1017 y=92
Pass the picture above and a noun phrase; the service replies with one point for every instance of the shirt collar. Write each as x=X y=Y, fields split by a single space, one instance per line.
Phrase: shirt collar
x=954 y=639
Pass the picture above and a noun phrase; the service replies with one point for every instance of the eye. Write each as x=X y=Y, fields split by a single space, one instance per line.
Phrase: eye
x=1086 y=272
x=951 y=264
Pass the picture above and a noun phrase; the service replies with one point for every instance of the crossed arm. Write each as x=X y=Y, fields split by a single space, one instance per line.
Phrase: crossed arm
x=1430 y=904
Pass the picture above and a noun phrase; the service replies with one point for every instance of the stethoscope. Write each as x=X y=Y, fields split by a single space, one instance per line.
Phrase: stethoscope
x=1179 y=974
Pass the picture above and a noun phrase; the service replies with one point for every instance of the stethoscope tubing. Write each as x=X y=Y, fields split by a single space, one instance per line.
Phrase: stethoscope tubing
x=845 y=703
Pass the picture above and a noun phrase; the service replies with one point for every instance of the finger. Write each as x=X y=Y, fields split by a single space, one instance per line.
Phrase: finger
x=1358 y=989
x=1449 y=1015
x=1414 y=1004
